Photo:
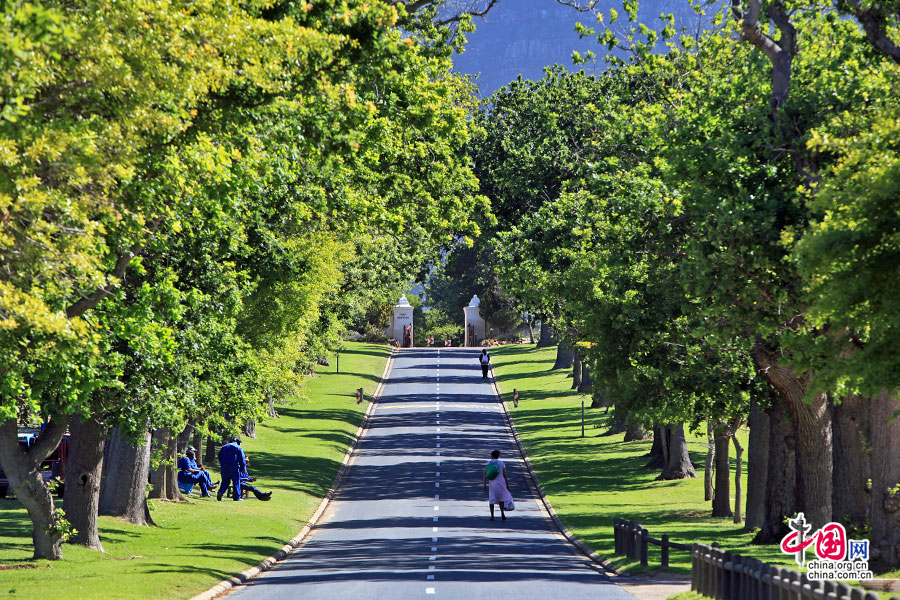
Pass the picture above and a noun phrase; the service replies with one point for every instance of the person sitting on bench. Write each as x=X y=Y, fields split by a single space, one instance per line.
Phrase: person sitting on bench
x=190 y=473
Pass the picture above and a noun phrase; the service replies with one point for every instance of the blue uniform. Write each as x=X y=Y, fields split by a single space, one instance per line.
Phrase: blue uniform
x=232 y=462
x=202 y=478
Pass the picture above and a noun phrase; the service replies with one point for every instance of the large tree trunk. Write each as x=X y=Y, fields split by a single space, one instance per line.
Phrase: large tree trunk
x=598 y=400
x=126 y=469
x=587 y=380
x=547 y=335
x=635 y=433
x=721 y=504
x=658 y=454
x=709 y=487
x=781 y=481
x=812 y=429
x=197 y=441
x=576 y=371
x=210 y=457
x=617 y=423
x=249 y=429
x=851 y=428
x=738 y=465
x=885 y=507
x=184 y=439
x=679 y=465
x=163 y=477
x=757 y=467
x=565 y=356
x=84 y=464
x=23 y=470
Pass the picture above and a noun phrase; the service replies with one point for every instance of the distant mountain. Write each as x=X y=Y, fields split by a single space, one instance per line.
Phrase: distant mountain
x=523 y=36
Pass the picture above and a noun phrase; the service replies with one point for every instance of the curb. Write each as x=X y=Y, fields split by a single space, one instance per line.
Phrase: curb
x=535 y=483
x=227 y=585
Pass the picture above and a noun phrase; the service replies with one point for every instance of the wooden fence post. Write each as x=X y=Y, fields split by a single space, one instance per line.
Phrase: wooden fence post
x=842 y=590
x=644 y=558
x=695 y=568
x=616 y=536
x=664 y=551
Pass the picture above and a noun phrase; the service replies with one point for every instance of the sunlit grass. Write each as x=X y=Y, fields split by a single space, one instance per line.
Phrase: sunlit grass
x=592 y=480
x=199 y=543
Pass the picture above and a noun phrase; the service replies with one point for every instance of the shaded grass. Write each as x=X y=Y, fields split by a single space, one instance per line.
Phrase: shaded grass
x=592 y=480
x=201 y=542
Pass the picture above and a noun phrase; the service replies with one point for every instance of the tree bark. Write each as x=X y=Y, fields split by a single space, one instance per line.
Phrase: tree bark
x=658 y=454
x=210 y=457
x=885 y=506
x=757 y=467
x=576 y=371
x=163 y=477
x=598 y=400
x=184 y=438
x=84 y=465
x=197 y=441
x=249 y=429
x=852 y=462
x=635 y=433
x=587 y=380
x=679 y=464
x=721 y=503
x=23 y=470
x=565 y=356
x=126 y=469
x=781 y=480
x=812 y=430
x=738 y=467
x=547 y=335
x=617 y=424
x=708 y=486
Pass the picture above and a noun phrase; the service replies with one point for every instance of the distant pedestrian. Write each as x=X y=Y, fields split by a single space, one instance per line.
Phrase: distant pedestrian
x=485 y=360
x=497 y=484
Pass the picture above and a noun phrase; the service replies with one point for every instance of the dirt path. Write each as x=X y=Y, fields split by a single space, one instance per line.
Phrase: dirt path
x=654 y=587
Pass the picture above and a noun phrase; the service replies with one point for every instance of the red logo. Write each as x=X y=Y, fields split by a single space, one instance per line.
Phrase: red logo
x=830 y=541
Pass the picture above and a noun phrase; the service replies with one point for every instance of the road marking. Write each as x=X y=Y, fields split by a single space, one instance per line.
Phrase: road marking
x=438 y=463
x=435 y=508
x=437 y=474
x=438 y=454
x=437 y=484
x=437 y=496
x=434 y=548
x=438 y=437
x=432 y=558
x=434 y=530
x=430 y=577
x=429 y=590
x=435 y=519
x=434 y=539
x=432 y=568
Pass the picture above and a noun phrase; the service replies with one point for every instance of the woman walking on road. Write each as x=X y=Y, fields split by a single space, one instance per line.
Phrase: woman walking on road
x=497 y=484
x=485 y=361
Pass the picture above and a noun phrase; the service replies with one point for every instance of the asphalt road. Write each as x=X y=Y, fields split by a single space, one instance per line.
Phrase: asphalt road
x=411 y=519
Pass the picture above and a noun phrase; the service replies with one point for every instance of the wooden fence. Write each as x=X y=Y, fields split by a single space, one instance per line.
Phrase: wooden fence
x=726 y=576
x=632 y=540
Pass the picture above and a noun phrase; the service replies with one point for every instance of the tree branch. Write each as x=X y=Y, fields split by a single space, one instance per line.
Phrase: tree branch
x=90 y=301
x=874 y=22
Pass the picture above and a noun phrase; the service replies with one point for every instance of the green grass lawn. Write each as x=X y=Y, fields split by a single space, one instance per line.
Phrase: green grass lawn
x=198 y=543
x=593 y=479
